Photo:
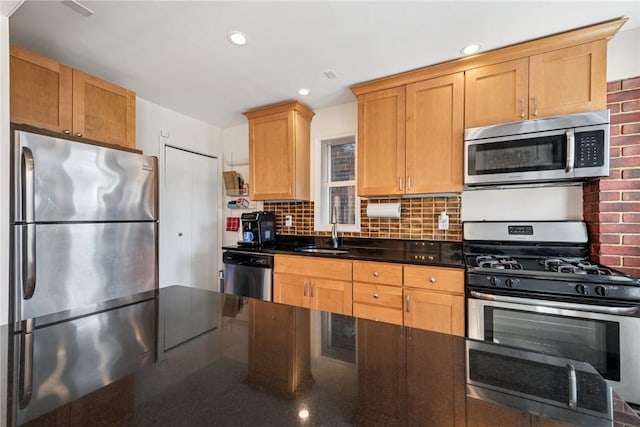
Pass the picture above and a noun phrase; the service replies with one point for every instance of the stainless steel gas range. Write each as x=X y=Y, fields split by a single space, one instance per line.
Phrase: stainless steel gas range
x=530 y=286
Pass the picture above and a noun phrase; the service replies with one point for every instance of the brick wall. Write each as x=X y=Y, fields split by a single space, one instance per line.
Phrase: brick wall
x=612 y=205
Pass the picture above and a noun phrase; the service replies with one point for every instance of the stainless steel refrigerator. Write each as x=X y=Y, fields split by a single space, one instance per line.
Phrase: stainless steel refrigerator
x=83 y=284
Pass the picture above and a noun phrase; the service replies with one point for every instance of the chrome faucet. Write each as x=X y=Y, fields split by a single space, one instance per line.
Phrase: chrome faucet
x=334 y=226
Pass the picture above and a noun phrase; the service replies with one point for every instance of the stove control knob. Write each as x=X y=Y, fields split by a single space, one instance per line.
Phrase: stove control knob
x=581 y=289
x=601 y=290
x=509 y=283
x=493 y=281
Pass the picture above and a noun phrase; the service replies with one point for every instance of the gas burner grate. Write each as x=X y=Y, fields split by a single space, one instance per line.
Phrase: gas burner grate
x=498 y=262
x=574 y=266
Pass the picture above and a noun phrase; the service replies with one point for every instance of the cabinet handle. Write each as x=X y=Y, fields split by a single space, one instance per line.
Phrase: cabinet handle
x=409 y=182
x=67 y=132
x=401 y=186
x=376 y=274
x=313 y=285
x=522 y=107
x=289 y=190
x=179 y=234
x=432 y=280
x=376 y=296
x=305 y=288
x=408 y=301
x=79 y=135
x=535 y=105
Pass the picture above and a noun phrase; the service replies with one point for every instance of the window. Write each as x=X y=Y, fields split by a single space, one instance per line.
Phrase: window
x=339 y=185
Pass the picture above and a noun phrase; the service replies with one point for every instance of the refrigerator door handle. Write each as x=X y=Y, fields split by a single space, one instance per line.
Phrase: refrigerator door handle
x=25 y=385
x=28 y=260
x=28 y=215
x=28 y=186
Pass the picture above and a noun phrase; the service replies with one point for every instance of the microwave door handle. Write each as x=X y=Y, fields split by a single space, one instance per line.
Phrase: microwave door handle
x=570 y=151
x=629 y=311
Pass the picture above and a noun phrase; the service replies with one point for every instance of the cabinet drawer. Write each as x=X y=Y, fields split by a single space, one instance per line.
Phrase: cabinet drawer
x=313 y=266
x=377 y=272
x=368 y=293
x=374 y=312
x=435 y=278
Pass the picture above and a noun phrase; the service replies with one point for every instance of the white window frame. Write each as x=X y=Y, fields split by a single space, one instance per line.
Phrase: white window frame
x=321 y=211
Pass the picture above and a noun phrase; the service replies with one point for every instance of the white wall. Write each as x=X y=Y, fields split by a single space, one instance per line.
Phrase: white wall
x=157 y=126
x=623 y=55
x=236 y=158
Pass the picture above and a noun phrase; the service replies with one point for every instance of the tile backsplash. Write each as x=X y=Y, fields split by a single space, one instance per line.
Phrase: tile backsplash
x=418 y=219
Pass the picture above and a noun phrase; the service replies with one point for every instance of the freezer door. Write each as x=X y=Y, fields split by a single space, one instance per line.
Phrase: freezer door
x=83 y=266
x=57 y=180
x=67 y=360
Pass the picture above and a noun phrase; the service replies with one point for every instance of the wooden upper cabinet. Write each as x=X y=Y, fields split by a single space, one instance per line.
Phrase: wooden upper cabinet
x=569 y=80
x=279 y=150
x=434 y=135
x=562 y=81
x=40 y=91
x=381 y=135
x=496 y=93
x=103 y=111
x=410 y=138
x=52 y=96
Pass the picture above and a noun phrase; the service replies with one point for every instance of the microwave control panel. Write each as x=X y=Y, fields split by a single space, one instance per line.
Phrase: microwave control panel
x=589 y=149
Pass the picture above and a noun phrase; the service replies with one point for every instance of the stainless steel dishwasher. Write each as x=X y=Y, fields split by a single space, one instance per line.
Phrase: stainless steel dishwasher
x=248 y=274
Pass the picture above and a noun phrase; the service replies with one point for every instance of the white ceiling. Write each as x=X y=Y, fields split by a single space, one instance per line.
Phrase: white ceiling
x=175 y=53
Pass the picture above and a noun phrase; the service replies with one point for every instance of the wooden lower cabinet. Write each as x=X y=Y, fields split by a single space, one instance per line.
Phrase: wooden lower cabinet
x=279 y=348
x=487 y=414
x=438 y=312
x=434 y=299
x=320 y=284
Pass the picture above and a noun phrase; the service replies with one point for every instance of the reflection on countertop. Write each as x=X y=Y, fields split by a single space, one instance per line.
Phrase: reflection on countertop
x=233 y=361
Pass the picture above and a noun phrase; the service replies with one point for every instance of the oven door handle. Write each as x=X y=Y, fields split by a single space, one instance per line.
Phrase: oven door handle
x=561 y=305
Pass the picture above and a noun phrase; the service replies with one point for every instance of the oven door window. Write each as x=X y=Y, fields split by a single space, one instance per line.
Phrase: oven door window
x=589 y=340
x=521 y=155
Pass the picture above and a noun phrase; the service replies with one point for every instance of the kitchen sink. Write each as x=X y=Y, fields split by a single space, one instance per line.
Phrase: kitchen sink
x=321 y=250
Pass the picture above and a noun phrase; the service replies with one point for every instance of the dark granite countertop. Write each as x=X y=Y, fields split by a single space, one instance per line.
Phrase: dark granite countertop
x=231 y=361
x=421 y=252
x=257 y=363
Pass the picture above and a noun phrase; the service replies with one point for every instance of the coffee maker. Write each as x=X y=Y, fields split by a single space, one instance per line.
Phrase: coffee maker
x=258 y=228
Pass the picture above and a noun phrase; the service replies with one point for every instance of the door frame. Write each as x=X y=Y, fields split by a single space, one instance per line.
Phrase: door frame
x=163 y=143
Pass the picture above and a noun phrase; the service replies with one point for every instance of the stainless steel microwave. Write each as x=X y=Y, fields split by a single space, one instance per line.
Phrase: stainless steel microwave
x=561 y=148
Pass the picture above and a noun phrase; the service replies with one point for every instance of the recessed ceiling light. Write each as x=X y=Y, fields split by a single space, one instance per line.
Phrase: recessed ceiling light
x=304 y=91
x=237 y=38
x=470 y=49
x=303 y=414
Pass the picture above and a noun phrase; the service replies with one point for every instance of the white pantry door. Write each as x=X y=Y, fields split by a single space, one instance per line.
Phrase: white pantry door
x=189 y=220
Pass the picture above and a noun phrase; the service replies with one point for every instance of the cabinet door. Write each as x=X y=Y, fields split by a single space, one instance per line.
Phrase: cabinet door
x=434 y=311
x=291 y=289
x=486 y=414
x=434 y=135
x=381 y=133
x=496 y=93
x=331 y=295
x=40 y=91
x=569 y=80
x=271 y=157
x=103 y=111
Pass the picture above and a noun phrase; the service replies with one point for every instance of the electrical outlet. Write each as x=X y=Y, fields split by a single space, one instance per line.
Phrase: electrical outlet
x=443 y=221
x=288 y=220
